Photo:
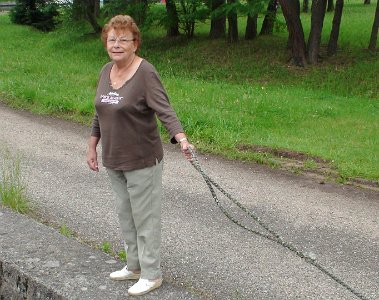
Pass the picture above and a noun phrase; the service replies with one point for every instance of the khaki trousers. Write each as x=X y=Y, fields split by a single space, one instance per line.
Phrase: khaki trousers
x=138 y=196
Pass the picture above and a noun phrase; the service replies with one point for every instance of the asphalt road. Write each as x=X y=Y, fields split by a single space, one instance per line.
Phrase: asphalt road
x=202 y=250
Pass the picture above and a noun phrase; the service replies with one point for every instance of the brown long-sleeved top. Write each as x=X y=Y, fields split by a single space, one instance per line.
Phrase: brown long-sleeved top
x=125 y=119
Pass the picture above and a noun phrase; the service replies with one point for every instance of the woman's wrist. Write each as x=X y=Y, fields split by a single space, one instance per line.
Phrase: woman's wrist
x=181 y=137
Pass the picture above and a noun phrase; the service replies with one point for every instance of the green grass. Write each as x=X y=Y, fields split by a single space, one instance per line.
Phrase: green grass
x=106 y=247
x=226 y=95
x=64 y=230
x=12 y=187
x=122 y=255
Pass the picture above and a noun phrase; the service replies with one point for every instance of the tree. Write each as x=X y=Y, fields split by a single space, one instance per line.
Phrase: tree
x=139 y=10
x=218 y=21
x=92 y=13
x=317 y=21
x=270 y=17
x=305 y=6
x=367 y=2
x=37 y=13
x=330 y=6
x=291 y=12
x=253 y=8
x=374 y=32
x=232 y=23
x=251 y=27
x=173 y=19
x=333 y=39
x=86 y=10
x=191 y=12
x=76 y=10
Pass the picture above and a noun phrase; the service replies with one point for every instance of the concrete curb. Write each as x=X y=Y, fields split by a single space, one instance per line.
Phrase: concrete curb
x=36 y=262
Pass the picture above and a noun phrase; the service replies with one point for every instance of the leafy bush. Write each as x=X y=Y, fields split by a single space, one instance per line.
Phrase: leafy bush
x=40 y=14
x=190 y=12
x=187 y=13
x=137 y=10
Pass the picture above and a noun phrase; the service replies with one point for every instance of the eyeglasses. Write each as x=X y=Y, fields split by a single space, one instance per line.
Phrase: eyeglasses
x=121 y=40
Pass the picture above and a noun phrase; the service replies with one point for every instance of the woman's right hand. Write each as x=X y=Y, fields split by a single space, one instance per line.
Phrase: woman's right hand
x=92 y=160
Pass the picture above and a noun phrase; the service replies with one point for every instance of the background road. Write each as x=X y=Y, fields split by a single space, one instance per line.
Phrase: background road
x=202 y=250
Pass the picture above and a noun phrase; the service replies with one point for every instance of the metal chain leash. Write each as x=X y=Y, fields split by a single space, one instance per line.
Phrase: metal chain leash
x=275 y=237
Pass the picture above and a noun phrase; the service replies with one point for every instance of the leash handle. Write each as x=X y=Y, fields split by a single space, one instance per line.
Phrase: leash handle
x=193 y=153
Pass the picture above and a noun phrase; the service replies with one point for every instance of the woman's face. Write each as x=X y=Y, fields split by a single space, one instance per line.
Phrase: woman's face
x=120 y=46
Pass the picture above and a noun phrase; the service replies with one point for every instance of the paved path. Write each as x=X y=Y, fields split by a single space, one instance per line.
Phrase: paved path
x=202 y=250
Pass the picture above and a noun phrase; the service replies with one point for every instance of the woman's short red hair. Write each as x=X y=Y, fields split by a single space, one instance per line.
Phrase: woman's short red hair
x=121 y=23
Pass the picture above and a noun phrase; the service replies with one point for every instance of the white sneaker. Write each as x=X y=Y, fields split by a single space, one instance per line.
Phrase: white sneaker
x=124 y=274
x=144 y=286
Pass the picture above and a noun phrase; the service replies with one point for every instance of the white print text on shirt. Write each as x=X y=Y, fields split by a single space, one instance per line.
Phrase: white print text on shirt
x=111 y=98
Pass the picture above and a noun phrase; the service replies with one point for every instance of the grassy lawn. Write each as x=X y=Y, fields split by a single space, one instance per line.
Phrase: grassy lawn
x=230 y=98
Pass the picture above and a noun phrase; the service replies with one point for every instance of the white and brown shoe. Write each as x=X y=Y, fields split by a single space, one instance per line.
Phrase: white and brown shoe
x=124 y=274
x=144 y=286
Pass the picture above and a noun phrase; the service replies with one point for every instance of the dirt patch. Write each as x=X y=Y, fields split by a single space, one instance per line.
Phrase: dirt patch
x=282 y=153
x=316 y=167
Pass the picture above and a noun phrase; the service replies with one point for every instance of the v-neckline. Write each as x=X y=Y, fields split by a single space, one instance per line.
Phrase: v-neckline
x=126 y=81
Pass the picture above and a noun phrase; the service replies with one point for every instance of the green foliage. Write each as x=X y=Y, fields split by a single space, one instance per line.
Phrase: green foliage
x=226 y=95
x=64 y=230
x=40 y=14
x=156 y=17
x=136 y=9
x=243 y=8
x=122 y=255
x=12 y=187
x=310 y=164
x=106 y=247
x=190 y=12
x=72 y=15
x=79 y=15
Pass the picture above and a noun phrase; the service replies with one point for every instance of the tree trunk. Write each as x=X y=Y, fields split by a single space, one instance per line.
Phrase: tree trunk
x=140 y=13
x=330 y=6
x=333 y=40
x=374 y=32
x=91 y=14
x=32 y=5
x=172 y=14
x=291 y=12
x=97 y=8
x=78 y=10
x=192 y=32
x=233 y=25
x=218 y=24
x=305 y=6
x=251 y=27
x=270 y=17
x=317 y=21
x=367 y=2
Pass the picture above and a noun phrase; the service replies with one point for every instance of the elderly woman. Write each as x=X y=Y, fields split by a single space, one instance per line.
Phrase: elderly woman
x=129 y=97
